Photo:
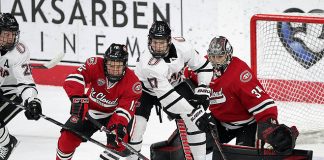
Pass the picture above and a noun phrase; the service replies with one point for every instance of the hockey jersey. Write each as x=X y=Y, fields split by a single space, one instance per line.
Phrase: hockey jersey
x=16 y=73
x=160 y=76
x=105 y=98
x=238 y=98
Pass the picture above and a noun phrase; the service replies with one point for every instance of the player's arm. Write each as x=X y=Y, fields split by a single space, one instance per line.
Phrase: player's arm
x=25 y=85
x=122 y=115
x=126 y=108
x=204 y=73
x=76 y=82
x=191 y=75
x=200 y=65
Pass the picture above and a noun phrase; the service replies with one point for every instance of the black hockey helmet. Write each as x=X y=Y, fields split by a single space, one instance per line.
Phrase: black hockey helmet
x=8 y=23
x=114 y=70
x=220 y=46
x=159 y=30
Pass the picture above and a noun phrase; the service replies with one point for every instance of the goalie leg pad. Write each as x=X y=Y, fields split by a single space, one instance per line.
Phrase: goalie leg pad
x=168 y=150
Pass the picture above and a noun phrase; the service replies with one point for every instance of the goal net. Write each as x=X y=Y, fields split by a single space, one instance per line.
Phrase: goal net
x=287 y=57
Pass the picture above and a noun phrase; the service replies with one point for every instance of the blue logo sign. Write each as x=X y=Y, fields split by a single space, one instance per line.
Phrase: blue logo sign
x=298 y=40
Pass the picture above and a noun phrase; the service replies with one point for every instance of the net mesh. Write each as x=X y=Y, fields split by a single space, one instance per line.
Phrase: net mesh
x=290 y=66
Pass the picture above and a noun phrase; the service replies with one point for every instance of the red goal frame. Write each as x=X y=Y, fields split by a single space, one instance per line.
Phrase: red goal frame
x=253 y=46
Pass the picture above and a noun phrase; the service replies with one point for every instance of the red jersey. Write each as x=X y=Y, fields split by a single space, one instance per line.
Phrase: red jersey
x=105 y=98
x=238 y=98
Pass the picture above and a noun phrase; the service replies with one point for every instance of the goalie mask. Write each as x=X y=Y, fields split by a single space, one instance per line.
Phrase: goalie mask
x=220 y=53
x=9 y=32
x=159 y=39
x=115 y=62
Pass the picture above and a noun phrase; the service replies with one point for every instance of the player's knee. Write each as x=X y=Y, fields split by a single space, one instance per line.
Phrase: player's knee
x=68 y=142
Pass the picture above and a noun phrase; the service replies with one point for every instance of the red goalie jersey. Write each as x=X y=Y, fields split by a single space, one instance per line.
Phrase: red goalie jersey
x=237 y=97
x=105 y=98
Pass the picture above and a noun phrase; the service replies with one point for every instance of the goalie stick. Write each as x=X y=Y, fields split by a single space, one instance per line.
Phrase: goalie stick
x=51 y=63
x=216 y=140
x=104 y=129
x=111 y=153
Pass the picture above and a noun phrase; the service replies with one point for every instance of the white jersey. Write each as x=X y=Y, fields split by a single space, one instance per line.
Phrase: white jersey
x=160 y=76
x=15 y=70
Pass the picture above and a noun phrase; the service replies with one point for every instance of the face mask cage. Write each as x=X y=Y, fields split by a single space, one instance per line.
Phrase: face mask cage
x=159 y=47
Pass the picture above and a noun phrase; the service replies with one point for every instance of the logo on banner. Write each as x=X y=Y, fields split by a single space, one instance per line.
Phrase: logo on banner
x=299 y=40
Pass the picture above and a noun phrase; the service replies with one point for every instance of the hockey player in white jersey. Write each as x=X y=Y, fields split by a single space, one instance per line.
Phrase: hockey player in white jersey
x=160 y=71
x=16 y=82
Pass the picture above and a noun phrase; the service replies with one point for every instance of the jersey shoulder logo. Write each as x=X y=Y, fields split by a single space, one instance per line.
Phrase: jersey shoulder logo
x=245 y=76
x=137 y=88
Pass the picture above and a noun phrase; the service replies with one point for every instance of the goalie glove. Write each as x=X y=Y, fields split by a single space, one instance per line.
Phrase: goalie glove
x=201 y=97
x=279 y=136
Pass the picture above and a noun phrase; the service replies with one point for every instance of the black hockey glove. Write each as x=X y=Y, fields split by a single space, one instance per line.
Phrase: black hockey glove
x=77 y=105
x=33 y=108
x=200 y=118
x=201 y=97
x=117 y=134
x=279 y=136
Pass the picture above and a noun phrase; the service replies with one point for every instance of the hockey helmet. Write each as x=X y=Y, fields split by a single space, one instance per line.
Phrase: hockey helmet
x=9 y=32
x=220 y=46
x=115 y=62
x=159 y=39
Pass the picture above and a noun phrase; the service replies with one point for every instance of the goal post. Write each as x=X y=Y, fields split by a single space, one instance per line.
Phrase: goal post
x=287 y=57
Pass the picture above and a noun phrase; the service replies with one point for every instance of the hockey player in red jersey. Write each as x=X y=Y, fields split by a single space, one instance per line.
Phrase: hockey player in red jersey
x=239 y=103
x=113 y=93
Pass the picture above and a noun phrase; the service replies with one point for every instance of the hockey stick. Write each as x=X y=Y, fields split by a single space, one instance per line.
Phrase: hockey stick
x=216 y=140
x=51 y=63
x=184 y=139
x=112 y=153
x=104 y=129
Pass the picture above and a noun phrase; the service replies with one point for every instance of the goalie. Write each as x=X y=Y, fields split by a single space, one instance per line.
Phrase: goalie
x=239 y=105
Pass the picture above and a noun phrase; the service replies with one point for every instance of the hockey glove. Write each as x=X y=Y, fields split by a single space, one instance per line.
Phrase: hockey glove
x=33 y=108
x=279 y=136
x=118 y=133
x=200 y=118
x=201 y=97
x=78 y=106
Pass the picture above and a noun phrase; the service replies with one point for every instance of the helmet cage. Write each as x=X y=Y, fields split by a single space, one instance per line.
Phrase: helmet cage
x=9 y=23
x=115 y=53
x=220 y=46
